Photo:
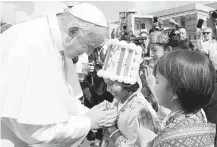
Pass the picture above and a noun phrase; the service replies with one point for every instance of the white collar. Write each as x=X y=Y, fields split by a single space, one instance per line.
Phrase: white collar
x=55 y=31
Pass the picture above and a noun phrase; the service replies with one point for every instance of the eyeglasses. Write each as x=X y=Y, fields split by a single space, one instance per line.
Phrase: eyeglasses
x=206 y=33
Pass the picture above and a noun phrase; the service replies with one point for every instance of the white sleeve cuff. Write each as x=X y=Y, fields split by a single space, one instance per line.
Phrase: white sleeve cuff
x=73 y=131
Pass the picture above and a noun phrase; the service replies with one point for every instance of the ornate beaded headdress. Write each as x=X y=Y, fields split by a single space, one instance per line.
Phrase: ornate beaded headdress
x=122 y=62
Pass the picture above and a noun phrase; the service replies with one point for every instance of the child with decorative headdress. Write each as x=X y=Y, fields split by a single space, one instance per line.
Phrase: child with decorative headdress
x=158 y=46
x=120 y=72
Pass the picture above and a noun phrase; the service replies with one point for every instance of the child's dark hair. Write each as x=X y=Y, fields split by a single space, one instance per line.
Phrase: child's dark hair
x=131 y=88
x=192 y=76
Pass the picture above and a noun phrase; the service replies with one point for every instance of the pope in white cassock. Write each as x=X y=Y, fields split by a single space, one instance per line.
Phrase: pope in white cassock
x=36 y=101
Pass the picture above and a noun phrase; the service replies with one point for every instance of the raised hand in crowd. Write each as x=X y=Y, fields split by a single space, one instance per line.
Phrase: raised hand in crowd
x=173 y=22
x=149 y=77
x=101 y=116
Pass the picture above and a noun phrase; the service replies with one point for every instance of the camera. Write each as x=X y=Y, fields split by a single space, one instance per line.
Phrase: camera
x=214 y=14
x=173 y=35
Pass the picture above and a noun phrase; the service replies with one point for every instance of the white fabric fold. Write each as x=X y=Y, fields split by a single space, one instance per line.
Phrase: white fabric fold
x=34 y=86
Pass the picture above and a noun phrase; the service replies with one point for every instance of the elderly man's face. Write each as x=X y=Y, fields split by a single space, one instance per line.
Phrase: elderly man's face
x=207 y=35
x=183 y=33
x=81 y=40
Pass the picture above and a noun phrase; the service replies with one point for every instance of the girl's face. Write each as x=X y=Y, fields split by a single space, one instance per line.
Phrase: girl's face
x=115 y=88
x=157 y=51
x=163 y=91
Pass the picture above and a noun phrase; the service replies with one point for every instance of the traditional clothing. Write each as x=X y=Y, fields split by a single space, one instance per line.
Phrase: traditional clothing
x=36 y=101
x=183 y=130
x=131 y=115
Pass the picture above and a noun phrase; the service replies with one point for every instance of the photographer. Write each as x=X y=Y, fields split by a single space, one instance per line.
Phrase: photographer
x=184 y=43
x=142 y=41
x=178 y=37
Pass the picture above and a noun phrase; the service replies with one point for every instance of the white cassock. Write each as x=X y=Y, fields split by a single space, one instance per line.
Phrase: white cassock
x=36 y=101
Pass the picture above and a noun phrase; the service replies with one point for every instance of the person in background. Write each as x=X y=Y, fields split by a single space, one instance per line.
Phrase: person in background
x=207 y=39
x=132 y=38
x=186 y=125
x=81 y=66
x=34 y=77
x=94 y=83
x=144 y=42
x=158 y=45
x=124 y=35
x=184 y=43
x=207 y=43
x=94 y=87
x=179 y=38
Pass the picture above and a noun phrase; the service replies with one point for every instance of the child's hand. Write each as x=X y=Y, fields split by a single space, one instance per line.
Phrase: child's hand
x=151 y=81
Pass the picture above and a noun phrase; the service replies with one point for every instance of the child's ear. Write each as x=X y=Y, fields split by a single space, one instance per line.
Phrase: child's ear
x=168 y=49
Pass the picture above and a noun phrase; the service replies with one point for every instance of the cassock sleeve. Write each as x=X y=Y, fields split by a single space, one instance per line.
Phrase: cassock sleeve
x=63 y=134
x=70 y=133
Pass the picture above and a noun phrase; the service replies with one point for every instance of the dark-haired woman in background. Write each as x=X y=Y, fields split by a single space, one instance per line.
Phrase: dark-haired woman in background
x=184 y=84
